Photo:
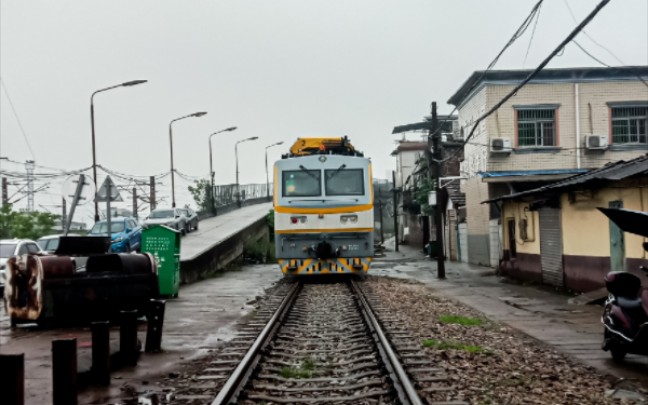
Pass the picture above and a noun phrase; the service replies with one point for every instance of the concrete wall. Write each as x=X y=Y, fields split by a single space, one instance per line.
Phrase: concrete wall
x=221 y=255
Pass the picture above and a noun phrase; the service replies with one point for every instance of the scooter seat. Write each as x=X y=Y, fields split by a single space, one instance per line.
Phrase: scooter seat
x=629 y=303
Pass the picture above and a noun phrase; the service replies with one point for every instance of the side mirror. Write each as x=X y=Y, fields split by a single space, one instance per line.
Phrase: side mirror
x=645 y=246
x=128 y=230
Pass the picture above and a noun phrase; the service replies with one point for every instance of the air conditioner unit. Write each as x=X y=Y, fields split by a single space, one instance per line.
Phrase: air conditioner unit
x=500 y=145
x=596 y=142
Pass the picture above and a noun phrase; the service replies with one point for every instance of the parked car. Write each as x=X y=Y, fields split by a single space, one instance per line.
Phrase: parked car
x=50 y=243
x=15 y=247
x=171 y=217
x=126 y=233
x=191 y=219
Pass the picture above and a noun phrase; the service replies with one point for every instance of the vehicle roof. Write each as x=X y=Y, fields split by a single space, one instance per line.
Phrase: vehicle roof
x=113 y=219
x=57 y=236
x=12 y=241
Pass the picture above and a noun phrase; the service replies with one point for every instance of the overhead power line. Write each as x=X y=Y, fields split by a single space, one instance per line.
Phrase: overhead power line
x=517 y=34
x=573 y=16
x=22 y=130
x=537 y=70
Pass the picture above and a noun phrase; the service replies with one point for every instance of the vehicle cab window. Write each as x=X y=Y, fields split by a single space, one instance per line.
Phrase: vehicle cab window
x=32 y=248
x=302 y=183
x=344 y=182
x=22 y=250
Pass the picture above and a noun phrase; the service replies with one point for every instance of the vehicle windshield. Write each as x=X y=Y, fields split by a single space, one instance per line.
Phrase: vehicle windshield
x=48 y=244
x=102 y=228
x=162 y=214
x=7 y=250
x=344 y=182
x=302 y=183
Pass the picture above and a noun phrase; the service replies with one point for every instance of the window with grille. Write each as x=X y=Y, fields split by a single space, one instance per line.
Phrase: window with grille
x=629 y=125
x=536 y=127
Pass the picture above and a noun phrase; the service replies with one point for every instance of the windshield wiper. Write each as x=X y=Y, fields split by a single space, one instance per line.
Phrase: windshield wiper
x=308 y=172
x=337 y=171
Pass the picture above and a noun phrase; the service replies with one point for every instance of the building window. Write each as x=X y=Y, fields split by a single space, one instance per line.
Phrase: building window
x=629 y=124
x=536 y=127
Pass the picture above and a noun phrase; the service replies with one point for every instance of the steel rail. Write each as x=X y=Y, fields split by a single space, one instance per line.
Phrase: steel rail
x=404 y=386
x=240 y=375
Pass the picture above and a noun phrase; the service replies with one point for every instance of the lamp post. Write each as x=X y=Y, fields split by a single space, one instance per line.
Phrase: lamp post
x=211 y=170
x=197 y=114
x=94 y=154
x=238 y=186
x=266 y=167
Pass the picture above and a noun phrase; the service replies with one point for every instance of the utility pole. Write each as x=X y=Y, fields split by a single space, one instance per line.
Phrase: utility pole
x=152 y=190
x=29 y=167
x=434 y=168
x=135 y=202
x=63 y=213
x=382 y=228
x=5 y=191
x=395 y=192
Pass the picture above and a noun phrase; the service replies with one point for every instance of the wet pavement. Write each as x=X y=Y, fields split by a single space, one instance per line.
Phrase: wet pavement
x=203 y=315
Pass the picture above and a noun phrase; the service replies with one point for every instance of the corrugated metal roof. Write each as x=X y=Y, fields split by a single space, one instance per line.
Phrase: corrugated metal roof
x=511 y=173
x=610 y=172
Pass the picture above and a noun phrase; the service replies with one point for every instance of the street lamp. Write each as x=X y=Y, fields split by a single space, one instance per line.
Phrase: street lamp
x=211 y=170
x=94 y=154
x=266 y=167
x=238 y=186
x=197 y=114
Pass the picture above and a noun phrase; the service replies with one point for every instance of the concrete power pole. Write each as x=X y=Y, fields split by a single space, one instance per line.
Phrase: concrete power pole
x=63 y=213
x=395 y=196
x=434 y=157
x=5 y=191
x=152 y=191
x=135 y=202
x=29 y=167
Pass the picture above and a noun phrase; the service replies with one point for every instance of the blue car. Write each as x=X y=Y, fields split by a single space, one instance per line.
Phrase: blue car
x=126 y=233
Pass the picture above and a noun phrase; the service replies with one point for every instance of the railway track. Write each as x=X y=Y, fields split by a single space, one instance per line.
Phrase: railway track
x=324 y=343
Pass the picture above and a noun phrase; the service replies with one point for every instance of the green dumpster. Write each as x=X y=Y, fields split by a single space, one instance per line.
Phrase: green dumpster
x=164 y=244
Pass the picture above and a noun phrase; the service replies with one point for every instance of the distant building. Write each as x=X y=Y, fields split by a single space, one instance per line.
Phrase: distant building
x=417 y=227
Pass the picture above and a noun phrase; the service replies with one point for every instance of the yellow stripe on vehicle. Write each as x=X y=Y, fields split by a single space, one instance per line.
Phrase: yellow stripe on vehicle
x=332 y=210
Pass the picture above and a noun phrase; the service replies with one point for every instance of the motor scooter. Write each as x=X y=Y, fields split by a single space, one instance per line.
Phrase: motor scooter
x=625 y=313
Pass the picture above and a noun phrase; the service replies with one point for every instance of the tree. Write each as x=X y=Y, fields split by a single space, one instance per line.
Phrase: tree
x=200 y=193
x=25 y=225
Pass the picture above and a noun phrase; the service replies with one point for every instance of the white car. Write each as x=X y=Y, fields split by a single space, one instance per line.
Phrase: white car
x=15 y=247
x=171 y=217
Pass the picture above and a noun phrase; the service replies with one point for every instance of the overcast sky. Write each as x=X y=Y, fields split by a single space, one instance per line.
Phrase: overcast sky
x=276 y=69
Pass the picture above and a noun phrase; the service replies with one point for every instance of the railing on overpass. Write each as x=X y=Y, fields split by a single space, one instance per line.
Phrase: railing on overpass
x=225 y=197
